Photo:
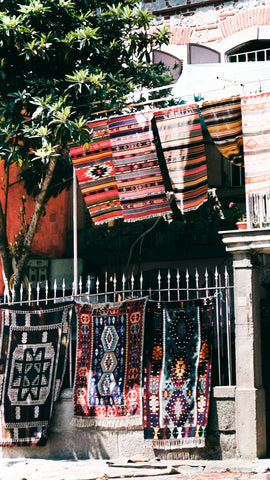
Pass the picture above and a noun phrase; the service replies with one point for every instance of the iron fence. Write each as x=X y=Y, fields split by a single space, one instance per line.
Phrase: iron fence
x=169 y=285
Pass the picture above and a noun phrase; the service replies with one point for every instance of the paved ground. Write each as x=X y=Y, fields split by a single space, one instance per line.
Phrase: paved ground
x=35 y=469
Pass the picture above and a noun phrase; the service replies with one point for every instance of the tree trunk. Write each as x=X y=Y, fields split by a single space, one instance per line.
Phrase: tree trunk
x=4 y=250
x=39 y=205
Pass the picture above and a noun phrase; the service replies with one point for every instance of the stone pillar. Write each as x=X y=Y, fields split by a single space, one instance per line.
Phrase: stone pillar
x=245 y=245
x=249 y=395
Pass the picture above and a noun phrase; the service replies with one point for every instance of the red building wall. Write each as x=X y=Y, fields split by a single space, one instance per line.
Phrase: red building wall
x=51 y=236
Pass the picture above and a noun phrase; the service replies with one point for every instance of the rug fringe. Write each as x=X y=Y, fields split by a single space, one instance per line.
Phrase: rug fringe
x=108 y=423
x=170 y=444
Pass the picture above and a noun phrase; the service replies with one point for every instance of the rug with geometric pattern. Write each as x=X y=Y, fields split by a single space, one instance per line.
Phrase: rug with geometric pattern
x=33 y=357
x=108 y=381
x=177 y=373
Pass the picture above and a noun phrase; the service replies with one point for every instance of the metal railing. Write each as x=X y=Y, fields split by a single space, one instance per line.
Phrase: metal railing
x=258 y=210
x=171 y=285
x=262 y=55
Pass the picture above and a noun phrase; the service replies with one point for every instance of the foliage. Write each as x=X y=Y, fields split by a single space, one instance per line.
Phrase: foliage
x=62 y=63
x=237 y=213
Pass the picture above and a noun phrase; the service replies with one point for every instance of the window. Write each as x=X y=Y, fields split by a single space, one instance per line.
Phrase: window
x=253 y=51
x=199 y=54
x=237 y=175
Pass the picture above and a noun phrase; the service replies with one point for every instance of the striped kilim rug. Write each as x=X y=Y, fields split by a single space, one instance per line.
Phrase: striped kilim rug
x=33 y=357
x=137 y=172
x=182 y=143
x=256 y=138
x=108 y=381
x=223 y=119
x=177 y=373
x=95 y=172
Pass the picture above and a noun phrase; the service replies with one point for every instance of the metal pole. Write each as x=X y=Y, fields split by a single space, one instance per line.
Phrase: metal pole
x=75 y=235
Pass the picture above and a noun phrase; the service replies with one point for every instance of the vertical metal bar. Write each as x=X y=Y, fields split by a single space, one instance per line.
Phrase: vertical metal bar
x=106 y=287
x=228 y=325
x=75 y=234
x=6 y=292
x=197 y=283
x=114 y=287
x=206 y=283
x=169 y=285
x=54 y=290
x=12 y=294
x=70 y=350
x=29 y=293
x=97 y=287
x=217 y=326
x=159 y=283
x=88 y=285
x=221 y=321
x=141 y=284
x=80 y=285
x=21 y=294
x=63 y=288
x=132 y=280
x=46 y=291
x=38 y=292
x=123 y=286
x=187 y=284
x=178 y=284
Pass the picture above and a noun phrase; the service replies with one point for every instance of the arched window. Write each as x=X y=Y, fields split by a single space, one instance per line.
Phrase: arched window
x=173 y=64
x=200 y=54
x=253 y=51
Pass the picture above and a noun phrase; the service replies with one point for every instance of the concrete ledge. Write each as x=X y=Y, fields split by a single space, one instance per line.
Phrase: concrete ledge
x=251 y=240
x=69 y=443
x=224 y=391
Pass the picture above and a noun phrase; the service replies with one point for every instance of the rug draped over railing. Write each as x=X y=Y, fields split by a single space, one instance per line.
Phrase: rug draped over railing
x=182 y=143
x=177 y=373
x=256 y=137
x=108 y=380
x=33 y=356
x=224 y=123
x=137 y=172
x=120 y=173
x=94 y=168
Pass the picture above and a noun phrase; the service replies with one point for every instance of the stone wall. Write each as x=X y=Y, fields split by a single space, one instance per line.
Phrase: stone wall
x=67 y=442
x=217 y=25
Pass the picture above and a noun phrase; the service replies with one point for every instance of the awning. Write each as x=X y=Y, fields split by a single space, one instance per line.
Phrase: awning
x=216 y=80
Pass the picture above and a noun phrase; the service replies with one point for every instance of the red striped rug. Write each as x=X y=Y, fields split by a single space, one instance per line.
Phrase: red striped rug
x=181 y=139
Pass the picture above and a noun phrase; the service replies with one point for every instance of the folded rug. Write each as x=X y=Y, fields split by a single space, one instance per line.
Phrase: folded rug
x=108 y=381
x=177 y=373
x=33 y=356
x=137 y=172
x=94 y=168
x=180 y=136
x=223 y=119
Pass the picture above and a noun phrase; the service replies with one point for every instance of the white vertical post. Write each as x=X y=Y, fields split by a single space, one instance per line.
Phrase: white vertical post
x=75 y=235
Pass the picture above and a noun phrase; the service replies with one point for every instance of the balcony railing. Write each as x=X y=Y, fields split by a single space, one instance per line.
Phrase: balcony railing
x=262 y=55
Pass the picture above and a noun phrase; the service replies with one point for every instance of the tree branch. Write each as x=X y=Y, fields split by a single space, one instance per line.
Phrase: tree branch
x=5 y=258
x=39 y=205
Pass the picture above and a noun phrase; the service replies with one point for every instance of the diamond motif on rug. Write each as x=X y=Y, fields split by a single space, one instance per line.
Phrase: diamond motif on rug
x=33 y=355
x=177 y=378
x=108 y=381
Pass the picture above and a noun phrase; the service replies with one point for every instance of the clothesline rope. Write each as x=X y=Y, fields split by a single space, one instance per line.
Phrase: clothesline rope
x=172 y=97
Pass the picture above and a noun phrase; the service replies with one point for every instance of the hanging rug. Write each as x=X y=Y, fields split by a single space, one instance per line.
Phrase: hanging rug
x=33 y=356
x=177 y=373
x=95 y=172
x=223 y=119
x=180 y=134
x=108 y=381
x=137 y=171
